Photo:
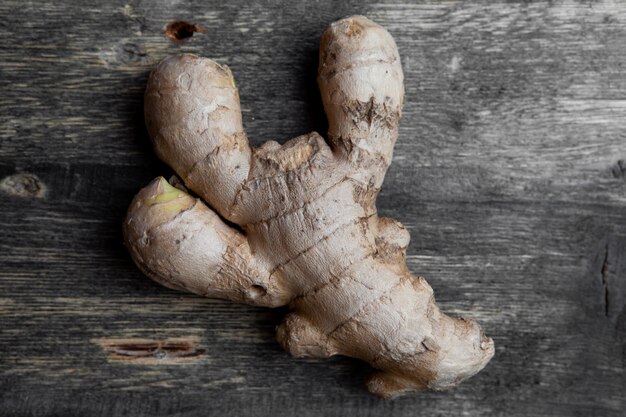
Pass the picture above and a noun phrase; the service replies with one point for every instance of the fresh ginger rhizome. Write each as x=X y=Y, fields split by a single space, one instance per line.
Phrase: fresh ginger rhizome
x=311 y=236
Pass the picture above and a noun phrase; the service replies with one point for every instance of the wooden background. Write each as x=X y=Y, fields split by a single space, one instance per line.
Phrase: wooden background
x=510 y=172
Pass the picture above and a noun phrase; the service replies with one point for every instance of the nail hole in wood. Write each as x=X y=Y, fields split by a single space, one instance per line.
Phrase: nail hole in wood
x=180 y=31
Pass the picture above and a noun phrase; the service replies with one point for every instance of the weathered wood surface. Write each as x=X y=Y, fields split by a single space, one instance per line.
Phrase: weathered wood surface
x=510 y=172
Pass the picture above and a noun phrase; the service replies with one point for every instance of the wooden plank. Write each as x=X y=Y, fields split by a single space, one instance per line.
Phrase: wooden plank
x=509 y=172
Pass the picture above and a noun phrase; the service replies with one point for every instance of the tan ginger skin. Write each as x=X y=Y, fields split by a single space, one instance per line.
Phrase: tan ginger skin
x=311 y=236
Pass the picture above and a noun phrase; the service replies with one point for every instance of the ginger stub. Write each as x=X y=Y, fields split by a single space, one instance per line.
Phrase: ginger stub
x=309 y=236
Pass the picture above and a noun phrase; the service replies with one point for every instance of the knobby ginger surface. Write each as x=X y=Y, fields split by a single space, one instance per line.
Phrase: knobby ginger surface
x=309 y=235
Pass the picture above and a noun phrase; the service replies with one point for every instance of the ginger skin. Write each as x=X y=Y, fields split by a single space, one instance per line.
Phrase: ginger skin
x=311 y=236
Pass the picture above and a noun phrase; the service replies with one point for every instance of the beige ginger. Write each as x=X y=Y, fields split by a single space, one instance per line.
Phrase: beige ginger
x=309 y=235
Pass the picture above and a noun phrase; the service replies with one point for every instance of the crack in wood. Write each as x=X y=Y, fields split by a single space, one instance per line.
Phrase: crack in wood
x=605 y=281
x=149 y=351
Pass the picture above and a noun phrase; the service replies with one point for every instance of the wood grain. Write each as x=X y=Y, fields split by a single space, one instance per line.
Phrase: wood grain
x=509 y=172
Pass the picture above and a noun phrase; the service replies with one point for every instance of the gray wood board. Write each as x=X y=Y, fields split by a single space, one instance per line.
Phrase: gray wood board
x=509 y=172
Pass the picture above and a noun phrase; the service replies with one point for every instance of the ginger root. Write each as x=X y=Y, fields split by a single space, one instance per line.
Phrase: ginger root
x=309 y=233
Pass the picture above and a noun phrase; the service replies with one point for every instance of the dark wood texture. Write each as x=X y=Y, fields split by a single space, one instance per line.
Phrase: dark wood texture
x=510 y=172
